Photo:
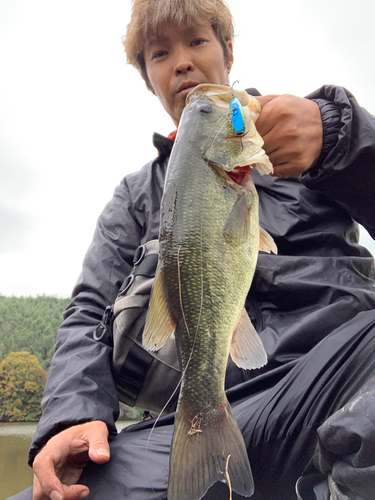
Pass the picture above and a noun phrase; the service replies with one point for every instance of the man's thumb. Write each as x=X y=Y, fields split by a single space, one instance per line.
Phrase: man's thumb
x=98 y=443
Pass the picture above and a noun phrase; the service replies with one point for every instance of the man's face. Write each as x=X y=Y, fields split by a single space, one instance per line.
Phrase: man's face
x=179 y=60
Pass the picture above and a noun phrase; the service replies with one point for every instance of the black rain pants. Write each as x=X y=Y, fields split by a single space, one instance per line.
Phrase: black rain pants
x=279 y=422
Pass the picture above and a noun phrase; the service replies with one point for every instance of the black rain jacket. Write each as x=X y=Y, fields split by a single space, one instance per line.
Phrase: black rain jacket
x=320 y=279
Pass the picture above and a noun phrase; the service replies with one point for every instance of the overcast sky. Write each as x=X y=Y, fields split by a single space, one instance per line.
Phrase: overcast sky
x=70 y=119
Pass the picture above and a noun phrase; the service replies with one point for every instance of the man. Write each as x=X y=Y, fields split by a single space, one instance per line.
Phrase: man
x=313 y=304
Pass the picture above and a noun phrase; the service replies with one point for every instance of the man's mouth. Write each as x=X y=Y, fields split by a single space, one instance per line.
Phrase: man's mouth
x=185 y=88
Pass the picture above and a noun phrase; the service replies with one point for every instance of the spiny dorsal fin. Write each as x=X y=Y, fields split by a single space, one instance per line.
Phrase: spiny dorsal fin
x=247 y=350
x=159 y=325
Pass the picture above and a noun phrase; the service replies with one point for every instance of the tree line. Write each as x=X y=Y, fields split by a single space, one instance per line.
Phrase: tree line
x=28 y=328
x=30 y=324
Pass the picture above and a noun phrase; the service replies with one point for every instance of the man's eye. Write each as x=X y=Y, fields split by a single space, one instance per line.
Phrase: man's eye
x=158 y=54
x=196 y=42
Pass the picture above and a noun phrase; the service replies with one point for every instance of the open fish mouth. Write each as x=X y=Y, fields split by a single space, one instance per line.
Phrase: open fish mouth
x=240 y=175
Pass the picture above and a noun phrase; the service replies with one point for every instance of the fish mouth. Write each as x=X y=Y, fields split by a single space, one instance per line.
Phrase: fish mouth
x=220 y=94
x=241 y=175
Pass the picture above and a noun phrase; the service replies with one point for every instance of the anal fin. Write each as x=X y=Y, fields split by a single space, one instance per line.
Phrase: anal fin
x=247 y=350
x=266 y=242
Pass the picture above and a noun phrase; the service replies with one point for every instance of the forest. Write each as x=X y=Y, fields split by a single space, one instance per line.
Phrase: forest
x=28 y=328
x=30 y=324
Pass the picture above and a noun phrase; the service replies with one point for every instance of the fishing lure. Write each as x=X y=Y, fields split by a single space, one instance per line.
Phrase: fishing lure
x=236 y=114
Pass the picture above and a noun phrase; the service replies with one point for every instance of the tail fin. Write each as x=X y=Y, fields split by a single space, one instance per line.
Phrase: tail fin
x=202 y=454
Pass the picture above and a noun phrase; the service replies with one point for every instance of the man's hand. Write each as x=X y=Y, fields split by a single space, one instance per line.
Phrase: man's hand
x=292 y=131
x=59 y=465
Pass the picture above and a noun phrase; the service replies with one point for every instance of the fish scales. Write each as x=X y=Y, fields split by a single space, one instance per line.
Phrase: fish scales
x=208 y=247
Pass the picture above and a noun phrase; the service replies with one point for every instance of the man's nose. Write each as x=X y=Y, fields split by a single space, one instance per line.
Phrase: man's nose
x=183 y=62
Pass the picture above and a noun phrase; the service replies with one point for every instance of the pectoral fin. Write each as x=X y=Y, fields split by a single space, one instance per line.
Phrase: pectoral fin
x=266 y=242
x=237 y=226
x=159 y=325
x=247 y=350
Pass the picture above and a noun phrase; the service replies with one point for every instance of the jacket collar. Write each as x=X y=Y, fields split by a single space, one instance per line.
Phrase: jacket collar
x=163 y=144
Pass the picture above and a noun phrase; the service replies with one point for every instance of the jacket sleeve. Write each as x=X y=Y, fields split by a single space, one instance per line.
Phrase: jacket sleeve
x=346 y=170
x=80 y=386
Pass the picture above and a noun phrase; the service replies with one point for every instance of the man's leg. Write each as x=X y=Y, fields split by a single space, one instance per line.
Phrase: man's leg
x=24 y=495
x=138 y=467
x=279 y=427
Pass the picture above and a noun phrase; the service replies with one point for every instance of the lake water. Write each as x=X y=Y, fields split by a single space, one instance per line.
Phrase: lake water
x=15 y=439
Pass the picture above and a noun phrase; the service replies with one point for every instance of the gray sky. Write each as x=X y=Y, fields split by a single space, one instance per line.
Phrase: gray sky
x=70 y=119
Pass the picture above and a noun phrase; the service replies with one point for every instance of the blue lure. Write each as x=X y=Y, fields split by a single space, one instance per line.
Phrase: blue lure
x=237 y=116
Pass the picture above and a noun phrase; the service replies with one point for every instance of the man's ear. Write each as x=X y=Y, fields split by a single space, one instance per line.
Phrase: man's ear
x=230 y=56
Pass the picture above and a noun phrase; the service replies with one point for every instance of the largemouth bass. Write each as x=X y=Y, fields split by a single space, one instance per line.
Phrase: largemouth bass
x=209 y=241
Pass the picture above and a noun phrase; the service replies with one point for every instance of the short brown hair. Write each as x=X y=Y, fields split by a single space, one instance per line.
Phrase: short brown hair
x=149 y=17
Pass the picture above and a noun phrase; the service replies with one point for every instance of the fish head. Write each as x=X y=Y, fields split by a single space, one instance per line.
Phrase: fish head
x=221 y=144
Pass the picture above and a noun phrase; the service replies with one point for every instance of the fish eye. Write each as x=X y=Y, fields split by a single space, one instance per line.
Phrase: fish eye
x=205 y=108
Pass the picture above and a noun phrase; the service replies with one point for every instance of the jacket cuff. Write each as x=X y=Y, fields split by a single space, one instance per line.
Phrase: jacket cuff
x=331 y=119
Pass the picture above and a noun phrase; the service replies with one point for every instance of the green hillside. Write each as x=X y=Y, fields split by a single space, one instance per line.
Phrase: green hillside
x=30 y=324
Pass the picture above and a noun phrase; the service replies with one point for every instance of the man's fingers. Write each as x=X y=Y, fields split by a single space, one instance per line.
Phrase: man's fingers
x=292 y=130
x=265 y=99
x=48 y=487
x=45 y=479
x=38 y=493
x=75 y=492
x=266 y=120
x=59 y=464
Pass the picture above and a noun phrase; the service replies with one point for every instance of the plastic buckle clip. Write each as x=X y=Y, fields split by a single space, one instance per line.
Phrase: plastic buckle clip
x=106 y=321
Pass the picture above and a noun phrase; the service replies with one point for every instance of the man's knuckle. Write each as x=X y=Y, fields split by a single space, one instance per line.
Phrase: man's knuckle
x=38 y=460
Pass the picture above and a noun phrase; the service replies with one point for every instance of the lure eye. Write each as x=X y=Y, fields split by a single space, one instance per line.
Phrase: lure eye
x=205 y=108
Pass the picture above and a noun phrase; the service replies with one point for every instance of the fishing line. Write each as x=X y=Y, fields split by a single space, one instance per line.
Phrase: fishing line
x=228 y=478
x=179 y=289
